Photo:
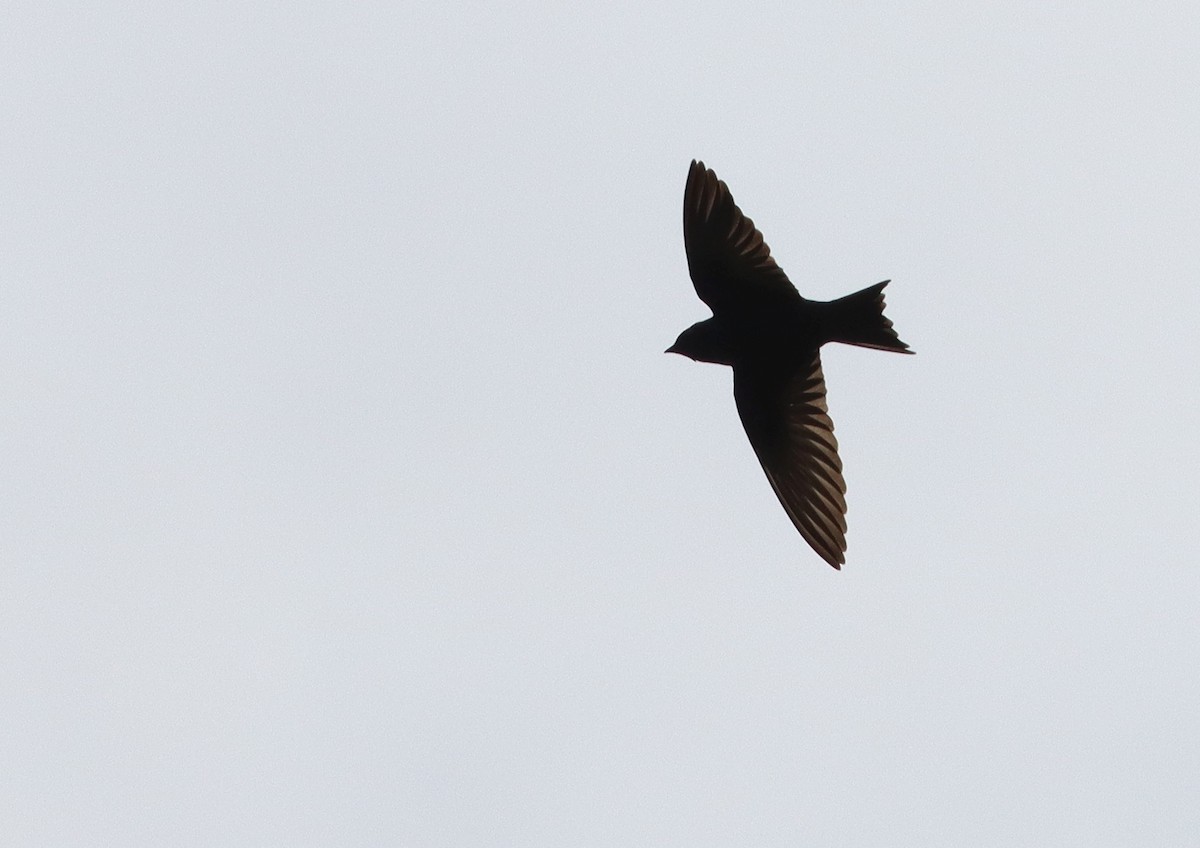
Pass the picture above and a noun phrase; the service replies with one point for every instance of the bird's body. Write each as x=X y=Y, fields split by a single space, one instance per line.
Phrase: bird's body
x=772 y=337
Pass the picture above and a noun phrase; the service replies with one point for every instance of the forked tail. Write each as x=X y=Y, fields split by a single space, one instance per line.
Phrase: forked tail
x=858 y=319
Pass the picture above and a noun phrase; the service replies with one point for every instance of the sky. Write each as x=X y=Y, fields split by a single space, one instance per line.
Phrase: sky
x=349 y=498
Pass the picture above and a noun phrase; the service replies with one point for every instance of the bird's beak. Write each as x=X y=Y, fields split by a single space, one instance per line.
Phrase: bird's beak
x=671 y=349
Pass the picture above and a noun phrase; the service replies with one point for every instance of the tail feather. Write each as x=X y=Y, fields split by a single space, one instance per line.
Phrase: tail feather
x=858 y=319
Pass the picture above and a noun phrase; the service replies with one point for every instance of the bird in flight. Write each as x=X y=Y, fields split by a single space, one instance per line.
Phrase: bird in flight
x=772 y=337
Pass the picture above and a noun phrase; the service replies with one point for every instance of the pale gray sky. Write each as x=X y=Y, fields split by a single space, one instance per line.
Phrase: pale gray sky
x=350 y=500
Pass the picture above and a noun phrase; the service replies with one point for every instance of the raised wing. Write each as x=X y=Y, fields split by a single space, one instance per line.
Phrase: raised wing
x=730 y=264
x=787 y=420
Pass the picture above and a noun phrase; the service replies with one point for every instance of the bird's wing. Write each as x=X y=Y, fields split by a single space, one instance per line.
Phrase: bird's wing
x=787 y=420
x=730 y=264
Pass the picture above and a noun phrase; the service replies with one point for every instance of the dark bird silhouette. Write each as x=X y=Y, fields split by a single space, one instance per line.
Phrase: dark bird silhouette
x=772 y=337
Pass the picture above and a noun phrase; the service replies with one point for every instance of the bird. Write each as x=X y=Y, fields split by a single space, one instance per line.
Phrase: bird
x=771 y=336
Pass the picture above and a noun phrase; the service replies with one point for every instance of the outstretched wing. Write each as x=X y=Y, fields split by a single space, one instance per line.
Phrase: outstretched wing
x=787 y=420
x=730 y=264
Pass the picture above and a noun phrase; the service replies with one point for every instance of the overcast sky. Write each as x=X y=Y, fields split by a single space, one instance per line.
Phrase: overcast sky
x=349 y=498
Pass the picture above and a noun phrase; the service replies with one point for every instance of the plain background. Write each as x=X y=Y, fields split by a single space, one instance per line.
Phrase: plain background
x=348 y=498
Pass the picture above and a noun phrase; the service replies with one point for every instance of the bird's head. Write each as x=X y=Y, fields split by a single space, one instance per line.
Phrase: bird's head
x=703 y=342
